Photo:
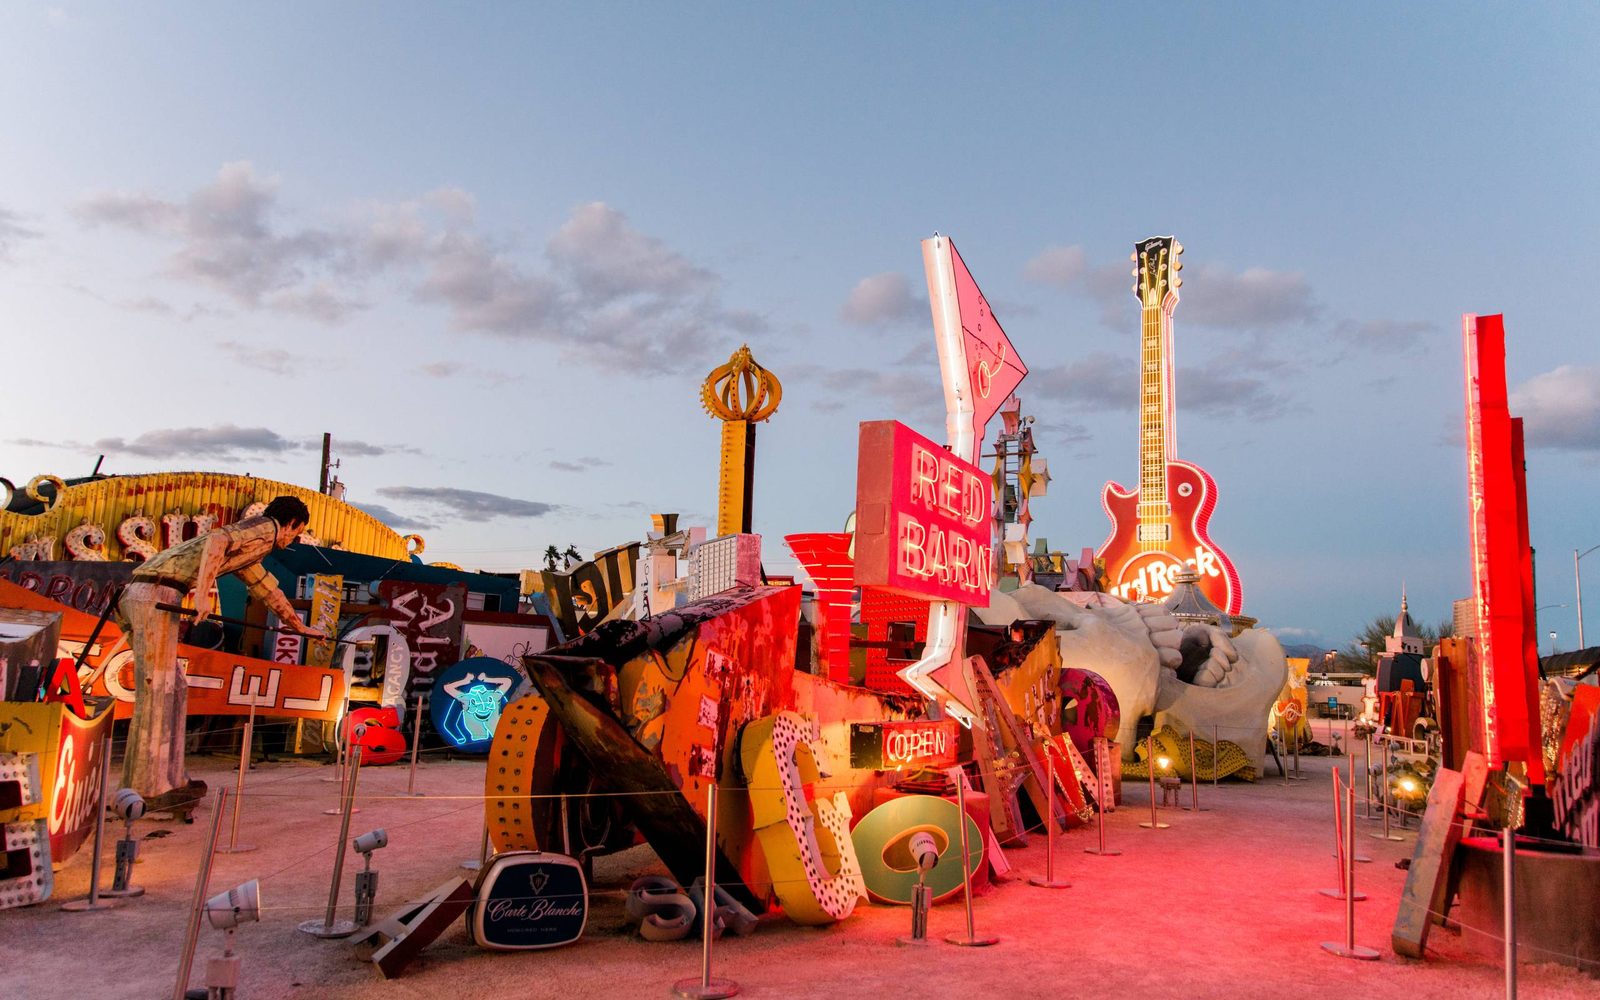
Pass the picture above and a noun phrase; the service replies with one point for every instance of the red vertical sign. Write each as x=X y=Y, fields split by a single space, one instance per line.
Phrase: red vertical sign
x=1498 y=545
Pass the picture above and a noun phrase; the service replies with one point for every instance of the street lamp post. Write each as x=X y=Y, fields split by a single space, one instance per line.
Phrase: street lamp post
x=1544 y=607
x=1577 y=582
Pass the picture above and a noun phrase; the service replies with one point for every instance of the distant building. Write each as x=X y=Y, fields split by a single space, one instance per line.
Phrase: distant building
x=1464 y=619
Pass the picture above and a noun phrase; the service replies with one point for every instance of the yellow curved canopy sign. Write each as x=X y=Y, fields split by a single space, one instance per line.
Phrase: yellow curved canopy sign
x=134 y=517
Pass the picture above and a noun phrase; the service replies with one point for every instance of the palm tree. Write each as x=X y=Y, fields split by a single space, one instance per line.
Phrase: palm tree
x=572 y=556
x=1360 y=653
x=552 y=555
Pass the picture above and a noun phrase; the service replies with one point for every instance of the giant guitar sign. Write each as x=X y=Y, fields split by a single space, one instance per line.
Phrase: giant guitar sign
x=1162 y=527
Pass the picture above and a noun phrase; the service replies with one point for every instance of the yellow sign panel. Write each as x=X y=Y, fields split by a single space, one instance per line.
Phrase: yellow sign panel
x=134 y=517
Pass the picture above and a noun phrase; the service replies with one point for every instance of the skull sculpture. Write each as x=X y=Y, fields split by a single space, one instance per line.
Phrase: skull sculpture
x=1194 y=678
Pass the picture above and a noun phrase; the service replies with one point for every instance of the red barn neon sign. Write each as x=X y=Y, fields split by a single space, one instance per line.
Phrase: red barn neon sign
x=923 y=518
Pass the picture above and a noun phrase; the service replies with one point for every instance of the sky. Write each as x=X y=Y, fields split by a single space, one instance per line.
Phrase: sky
x=494 y=248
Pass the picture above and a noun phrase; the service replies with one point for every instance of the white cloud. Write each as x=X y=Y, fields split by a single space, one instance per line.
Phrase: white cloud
x=273 y=360
x=1252 y=299
x=468 y=505
x=883 y=299
x=222 y=442
x=1063 y=267
x=611 y=296
x=608 y=259
x=12 y=233
x=1560 y=409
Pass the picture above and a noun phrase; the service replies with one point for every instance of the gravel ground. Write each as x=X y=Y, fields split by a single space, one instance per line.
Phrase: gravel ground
x=1222 y=905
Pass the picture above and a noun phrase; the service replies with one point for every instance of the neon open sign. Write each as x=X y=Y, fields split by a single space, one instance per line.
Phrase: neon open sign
x=923 y=517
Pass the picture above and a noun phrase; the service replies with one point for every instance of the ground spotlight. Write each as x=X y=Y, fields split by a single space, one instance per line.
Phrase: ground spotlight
x=127 y=805
x=226 y=911
x=367 y=879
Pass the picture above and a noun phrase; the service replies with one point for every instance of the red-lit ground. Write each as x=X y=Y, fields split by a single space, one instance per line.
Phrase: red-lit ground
x=1222 y=905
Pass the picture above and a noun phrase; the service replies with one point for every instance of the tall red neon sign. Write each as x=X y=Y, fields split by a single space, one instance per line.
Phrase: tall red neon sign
x=922 y=518
x=1497 y=543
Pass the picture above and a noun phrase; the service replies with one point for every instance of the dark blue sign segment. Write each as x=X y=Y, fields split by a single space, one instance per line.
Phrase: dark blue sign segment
x=468 y=698
x=529 y=899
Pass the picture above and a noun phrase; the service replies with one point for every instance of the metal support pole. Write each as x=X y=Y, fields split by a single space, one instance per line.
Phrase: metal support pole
x=705 y=987
x=326 y=927
x=1577 y=582
x=416 y=742
x=1194 y=777
x=92 y=903
x=1509 y=891
x=346 y=777
x=1338 y=844
x=1283 y=764
x=1350 y=949
x=1295 y=735
x=202 y=882
x=1103 y=762
x=234 y=847
x=1150 y=760
x=1386 y=834
x=483 y=846
x=338 y=741
x=1216 y=755
x=1366 y=773
x=971 y=940
x=1049 y=881
x=1351 y=767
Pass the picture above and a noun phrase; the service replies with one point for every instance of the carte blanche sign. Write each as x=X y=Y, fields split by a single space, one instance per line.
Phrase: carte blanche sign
x=528 y=900
x=923 y=518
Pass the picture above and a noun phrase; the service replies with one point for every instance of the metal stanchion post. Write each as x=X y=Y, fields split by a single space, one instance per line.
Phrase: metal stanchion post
x=1049 y=881
x=1351 y=766
x=1216 y=755
x=1194 y=777
x=92 y=903
x=338 y=742
x=416 y=742
x=971 y=939
x=1338 y=845
x=1103 y=766
x=1509 y=891
x=1386 y=834
x=704 y=987
x=326 y=927
x=1283 y=764
x=1294 y=734
x=234 y=847
x=202 y=882
x=1350 y=949
x=1150 y=762
x=483 y=846
x=346 y=775
x=1366 y=773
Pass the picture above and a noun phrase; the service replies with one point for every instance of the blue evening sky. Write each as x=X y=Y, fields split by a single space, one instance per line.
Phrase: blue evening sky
x=493 y=248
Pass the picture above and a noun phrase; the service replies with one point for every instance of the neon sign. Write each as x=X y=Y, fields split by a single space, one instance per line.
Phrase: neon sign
x=892 y=746
x=1150 y=576
x=923 y=518
x=994 y=369
x=468 y=698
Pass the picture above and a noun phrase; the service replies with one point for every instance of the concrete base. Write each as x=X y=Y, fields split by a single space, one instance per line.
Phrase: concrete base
x=1558 y=896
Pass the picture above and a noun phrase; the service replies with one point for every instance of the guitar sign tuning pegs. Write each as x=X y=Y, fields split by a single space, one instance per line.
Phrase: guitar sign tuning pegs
x=1177 y=247
x=1177 y=283
x=1177 y=265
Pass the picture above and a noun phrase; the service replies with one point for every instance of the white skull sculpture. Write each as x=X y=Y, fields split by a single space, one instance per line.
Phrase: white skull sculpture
x=1139 y=649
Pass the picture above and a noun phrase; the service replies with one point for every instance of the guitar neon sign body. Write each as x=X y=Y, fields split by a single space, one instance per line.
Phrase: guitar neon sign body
x=1163 y=526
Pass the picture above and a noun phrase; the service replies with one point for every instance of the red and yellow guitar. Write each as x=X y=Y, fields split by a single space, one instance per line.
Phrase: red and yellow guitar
x=1162 y=527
